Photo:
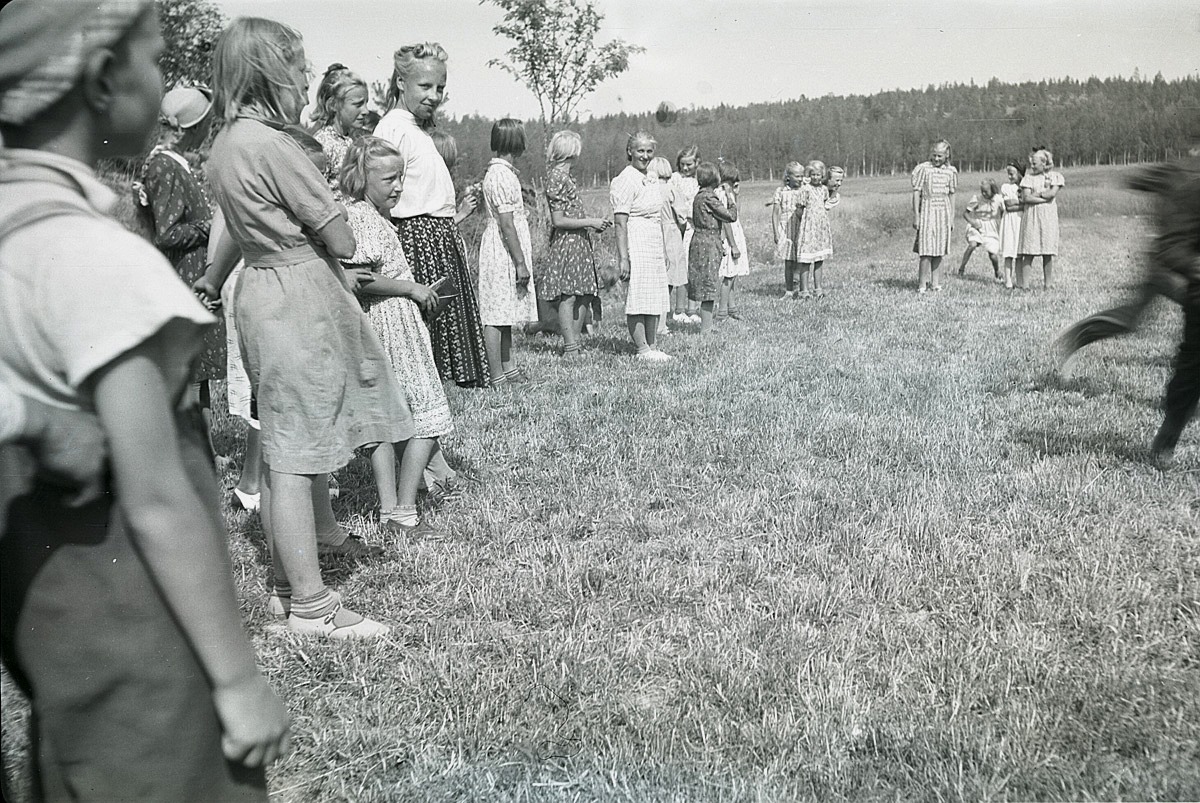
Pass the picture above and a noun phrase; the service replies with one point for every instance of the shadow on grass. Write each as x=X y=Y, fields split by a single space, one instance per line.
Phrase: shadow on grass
x=1110 y=443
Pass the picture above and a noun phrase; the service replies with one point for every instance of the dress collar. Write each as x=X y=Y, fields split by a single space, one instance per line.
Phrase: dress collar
x=23 y=164
x=496 y=160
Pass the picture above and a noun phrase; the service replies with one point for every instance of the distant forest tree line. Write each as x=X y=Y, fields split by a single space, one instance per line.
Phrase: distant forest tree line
x=1092 y=122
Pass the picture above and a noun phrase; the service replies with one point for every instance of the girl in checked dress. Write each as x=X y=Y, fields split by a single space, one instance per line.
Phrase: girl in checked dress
x=637 y=218
x=933 y=186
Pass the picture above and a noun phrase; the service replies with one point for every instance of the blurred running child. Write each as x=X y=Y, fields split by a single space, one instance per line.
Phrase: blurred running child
x=983 y=215
x=126 y=637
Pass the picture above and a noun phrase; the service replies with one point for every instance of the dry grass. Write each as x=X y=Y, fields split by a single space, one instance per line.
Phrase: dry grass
x=871 y=547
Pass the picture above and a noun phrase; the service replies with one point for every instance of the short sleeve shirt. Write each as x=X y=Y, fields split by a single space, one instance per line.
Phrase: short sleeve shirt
x=79 y=290
x=428 y=187
x=502 y=188
x=268 y=189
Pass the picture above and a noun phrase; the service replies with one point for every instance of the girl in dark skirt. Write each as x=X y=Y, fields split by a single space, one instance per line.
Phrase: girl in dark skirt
x=425 y=213
x=706 y=250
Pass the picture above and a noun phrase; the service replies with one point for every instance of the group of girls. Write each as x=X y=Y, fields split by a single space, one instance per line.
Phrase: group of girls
x=800 y=224
x=1014 y=221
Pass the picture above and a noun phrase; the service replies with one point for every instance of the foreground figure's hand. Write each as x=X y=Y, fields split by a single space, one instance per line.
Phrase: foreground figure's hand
x=254 y=720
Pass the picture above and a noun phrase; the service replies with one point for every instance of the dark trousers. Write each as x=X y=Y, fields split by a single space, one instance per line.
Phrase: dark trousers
x=1183 y=390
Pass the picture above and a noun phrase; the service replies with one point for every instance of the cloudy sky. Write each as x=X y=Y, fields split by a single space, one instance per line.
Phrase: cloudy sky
x=704 y=53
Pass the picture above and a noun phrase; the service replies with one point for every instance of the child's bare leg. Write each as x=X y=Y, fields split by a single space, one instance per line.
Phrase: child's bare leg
x=723 y=298
x=816 y=277
x=935 y=276
x=249 y=482
x=789 y=276
x=383 y=465
x=923 y=272
x=328 y=531
x=650 y=324
x=506 y=360
x=491 y=344
x=1048 y=270
x=962 y=269
x=706 y=316
x=805 y=278
x=293 y=532
x=1024 y=261
x=730 y=307
x=437 y=470
x=995 y=265
x=642 y=340
x=569 y=323
x=414 y=458
x=1008 y=272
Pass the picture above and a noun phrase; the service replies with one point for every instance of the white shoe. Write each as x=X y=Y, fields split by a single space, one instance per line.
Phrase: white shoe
x=339 y=624
x=680 y=318
x=663 y=330
x=654 y=355
x=248 y=502
x=694 y=319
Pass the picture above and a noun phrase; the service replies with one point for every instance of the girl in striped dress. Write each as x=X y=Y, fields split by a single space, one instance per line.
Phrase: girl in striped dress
x=933 y=185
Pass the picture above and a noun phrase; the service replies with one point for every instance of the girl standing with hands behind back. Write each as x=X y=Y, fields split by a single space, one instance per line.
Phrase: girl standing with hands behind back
x=506 y=291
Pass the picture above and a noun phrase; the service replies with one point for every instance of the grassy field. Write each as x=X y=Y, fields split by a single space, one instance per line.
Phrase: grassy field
x=871 y=547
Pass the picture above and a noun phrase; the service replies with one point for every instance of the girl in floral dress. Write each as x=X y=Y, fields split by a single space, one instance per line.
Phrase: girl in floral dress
x=933 y=185
x=339 y=115
x=506 y=287
x=814 y=237
x=181 y=214
x=371 y=180
x=568 y=279
x=783 y=223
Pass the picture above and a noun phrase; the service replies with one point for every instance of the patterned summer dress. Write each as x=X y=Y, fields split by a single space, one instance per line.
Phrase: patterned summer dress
x=399 y=324
x=1010 y=224
x=501 y=302
x=988 y=212
x=785 y=202
x=632 y=195
x=1039 y=222
x=182 y=217
x=335 y=146
x=937 y=186
x=569 y=268
x=814 y=237
x=707 y=246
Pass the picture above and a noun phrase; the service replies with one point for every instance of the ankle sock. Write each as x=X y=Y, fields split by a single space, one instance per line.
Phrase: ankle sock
x=281 y=590
x=322 y=603
x=571 y=348
x=406 y=515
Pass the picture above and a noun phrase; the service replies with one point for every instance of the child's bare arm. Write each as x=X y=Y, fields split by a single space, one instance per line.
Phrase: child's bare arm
x=180 y=535
x=512 y=244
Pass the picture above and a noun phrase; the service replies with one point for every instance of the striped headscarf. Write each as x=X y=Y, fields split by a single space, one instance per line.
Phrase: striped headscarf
x=44 y=45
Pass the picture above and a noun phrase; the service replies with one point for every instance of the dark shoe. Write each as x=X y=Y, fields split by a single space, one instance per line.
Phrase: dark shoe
x=421 y=531
x=352 y=547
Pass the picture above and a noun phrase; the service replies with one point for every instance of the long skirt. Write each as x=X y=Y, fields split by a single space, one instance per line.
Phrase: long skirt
x=434 y=250
x=323 y=383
